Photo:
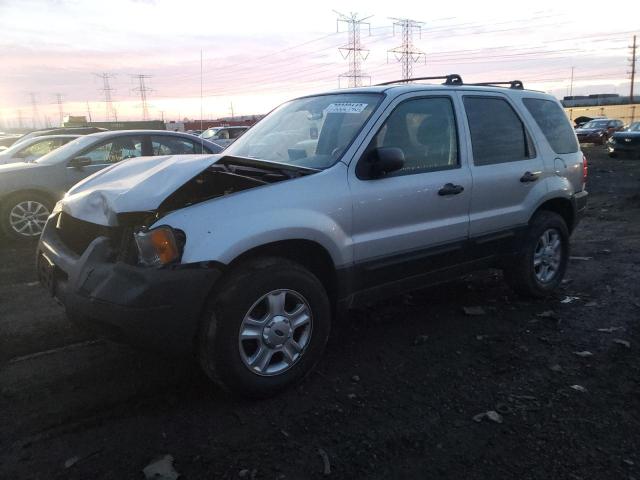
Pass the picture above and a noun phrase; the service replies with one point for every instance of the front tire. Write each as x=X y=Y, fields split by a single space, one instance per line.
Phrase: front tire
x=24 y=215
x=265 y=328
x=540 y=265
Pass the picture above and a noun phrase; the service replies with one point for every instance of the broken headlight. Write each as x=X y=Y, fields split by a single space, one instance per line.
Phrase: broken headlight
x=159 y=246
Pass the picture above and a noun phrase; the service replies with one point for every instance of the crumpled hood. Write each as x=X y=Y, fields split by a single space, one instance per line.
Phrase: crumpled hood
x=134 y=185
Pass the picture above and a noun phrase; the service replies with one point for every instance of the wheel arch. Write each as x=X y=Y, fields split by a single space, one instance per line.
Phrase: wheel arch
x=562 y=206
x=308 y=253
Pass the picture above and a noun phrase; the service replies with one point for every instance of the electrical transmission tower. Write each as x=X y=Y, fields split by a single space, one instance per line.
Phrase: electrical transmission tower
x=142 y=89
x=34 y=110
x=353 y=50
x=20 y=119
x=108 y=100
x=632 y=61
x=407 y=53
x=60 y=108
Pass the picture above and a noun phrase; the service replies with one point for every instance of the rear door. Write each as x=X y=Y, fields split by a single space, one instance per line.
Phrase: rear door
x=104 y=154
x=407 y=222
x=507 y=171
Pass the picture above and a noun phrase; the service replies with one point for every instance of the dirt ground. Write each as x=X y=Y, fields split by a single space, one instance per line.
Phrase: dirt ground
x=394 y=397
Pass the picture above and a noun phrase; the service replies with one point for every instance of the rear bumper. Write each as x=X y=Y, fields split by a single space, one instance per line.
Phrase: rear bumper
x=157 y=308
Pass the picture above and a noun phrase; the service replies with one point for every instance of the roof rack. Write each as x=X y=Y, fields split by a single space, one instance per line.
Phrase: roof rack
x=454 y=79
x=515 y=84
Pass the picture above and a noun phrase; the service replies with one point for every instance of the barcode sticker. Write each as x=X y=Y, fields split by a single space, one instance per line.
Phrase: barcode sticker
x=346 y=107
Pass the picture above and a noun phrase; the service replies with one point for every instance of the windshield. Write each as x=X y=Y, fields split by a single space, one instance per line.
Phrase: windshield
x=308 y=132
x=210 y=132
x=67 y=151
x=596 y=124
x=634 y=127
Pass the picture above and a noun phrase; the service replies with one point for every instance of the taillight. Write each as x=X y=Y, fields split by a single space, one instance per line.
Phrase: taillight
x=585 y=171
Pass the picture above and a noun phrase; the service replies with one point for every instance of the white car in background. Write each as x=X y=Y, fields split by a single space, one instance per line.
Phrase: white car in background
x=223 y=136
x=31 y=149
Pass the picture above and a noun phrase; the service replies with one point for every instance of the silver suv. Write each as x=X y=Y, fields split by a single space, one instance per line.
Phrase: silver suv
x=329 y=202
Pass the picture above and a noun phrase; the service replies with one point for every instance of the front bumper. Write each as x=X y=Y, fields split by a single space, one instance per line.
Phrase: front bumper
x=157 y=308
x=624 y=148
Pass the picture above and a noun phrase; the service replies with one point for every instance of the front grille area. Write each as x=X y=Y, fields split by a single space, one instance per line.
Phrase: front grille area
x=77 y=234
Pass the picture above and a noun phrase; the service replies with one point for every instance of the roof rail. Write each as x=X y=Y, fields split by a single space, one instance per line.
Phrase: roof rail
x=515 y=84
x=452 y=79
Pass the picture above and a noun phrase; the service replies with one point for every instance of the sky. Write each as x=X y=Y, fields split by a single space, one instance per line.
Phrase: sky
x=258 y=54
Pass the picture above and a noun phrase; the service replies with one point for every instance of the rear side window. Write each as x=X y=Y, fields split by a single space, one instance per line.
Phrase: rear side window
x=497 y=133
x=554 y=124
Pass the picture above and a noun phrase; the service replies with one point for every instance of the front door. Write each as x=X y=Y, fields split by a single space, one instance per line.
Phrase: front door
x=411 y=219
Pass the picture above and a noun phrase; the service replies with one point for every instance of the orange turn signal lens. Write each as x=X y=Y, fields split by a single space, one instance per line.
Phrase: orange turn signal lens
x=164 y=243
x=158 y=246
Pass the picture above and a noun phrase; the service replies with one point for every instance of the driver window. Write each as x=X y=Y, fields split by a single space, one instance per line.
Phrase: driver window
x=425 y=130
x=116 y=150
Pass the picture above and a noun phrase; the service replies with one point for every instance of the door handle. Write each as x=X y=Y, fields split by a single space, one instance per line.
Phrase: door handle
x=450 y=189
x=529 y=177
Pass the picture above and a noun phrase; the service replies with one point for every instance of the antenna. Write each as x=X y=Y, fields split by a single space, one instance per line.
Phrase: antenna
x=142 y=89
x=406 y=53
x=353 y=51
x=632 y=61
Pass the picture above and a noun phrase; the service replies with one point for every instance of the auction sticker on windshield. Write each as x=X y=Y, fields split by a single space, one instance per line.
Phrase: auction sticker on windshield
x=346 y=107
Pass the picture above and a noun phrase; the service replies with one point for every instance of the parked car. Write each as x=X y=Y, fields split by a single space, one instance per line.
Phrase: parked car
x=33 y=148
x=6 y=140
x=223 y=136
x=329 y=202
x=626 y=142
x=28 y=191
x=62 y=131
x=598 y=131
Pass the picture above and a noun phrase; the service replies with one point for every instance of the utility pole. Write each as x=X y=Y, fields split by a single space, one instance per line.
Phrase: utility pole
x=34 y=109
x=89 y=111
x=162 y=114
x=571 y=83
x=20 y=119
x=232 y=112
x=106 y=90
x=60 y=108
x=632 y=60
x=142 y=89
x=406 y=53
x=353 y=50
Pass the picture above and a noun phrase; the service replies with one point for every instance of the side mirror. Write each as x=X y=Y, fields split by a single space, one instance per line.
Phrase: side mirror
x=80 y=162
x=384 y=160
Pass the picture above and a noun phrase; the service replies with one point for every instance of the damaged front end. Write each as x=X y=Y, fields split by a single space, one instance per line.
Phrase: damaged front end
x=120 y=271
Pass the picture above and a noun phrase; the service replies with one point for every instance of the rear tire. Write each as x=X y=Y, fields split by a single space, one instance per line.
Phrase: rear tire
x=249 y=343
x=538 y=268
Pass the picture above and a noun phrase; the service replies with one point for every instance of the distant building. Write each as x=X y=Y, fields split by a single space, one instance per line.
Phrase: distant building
x=597 y=100
x=81 y=121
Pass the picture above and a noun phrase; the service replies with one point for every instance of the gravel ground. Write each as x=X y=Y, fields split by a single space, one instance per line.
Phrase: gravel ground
x=395 y=396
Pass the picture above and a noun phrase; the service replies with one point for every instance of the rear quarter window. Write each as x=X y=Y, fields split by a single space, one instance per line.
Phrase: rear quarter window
x=554 y=124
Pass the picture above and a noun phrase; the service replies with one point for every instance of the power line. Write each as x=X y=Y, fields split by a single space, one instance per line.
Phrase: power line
x=406 y=53
x=108 y=101
x=89 y=111
x=60 y=108
x=632 y=61
x=353 y=51
x=34 y=109
x=142 y=89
